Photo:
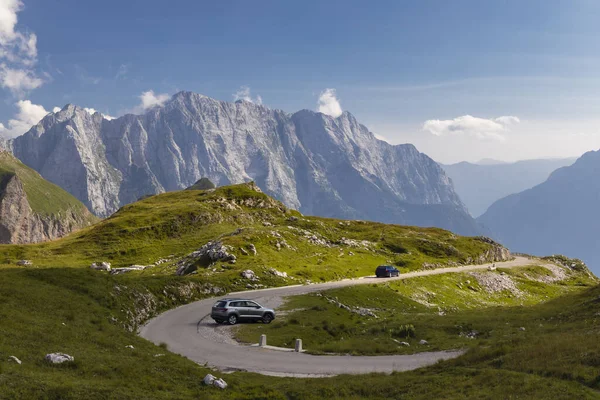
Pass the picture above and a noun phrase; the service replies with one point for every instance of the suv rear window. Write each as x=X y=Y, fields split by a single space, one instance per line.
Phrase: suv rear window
x=220 y=304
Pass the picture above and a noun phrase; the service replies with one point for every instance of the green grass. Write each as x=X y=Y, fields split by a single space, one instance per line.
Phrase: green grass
x=441 y=309
x=45 y=198
x=60 y=305
x=80 y=313
x=178 y=223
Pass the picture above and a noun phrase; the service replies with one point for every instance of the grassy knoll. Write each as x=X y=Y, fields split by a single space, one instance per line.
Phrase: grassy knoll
x=172 y=225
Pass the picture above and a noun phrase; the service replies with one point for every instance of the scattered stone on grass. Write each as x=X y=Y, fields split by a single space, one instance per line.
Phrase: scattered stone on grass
x=209 y=379
x=278 y=273
x=25 y=263
x=129 y=346
x=249 y=274
x=101 y=266
x=15 y=359
x=59 y=358
x=494 y=282
x=117 y=271
x=423 y=342
x=252 y=249
x=220 y=383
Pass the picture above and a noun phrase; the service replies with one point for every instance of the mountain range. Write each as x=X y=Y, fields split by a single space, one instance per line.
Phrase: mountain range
x=559 y=215
x=481 y=184
x=312 y=162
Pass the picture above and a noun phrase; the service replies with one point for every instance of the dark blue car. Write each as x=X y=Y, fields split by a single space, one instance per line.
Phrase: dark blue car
x=386 y=271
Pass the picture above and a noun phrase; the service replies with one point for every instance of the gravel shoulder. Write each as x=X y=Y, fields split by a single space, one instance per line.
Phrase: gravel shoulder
x=189 y=331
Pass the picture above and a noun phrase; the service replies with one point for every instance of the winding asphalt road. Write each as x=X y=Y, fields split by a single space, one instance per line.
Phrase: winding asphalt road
x=184 y=330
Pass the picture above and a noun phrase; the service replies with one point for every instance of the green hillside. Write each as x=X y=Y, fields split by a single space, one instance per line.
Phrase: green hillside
x=60 y=305
x=166 y=227
x=45 y=198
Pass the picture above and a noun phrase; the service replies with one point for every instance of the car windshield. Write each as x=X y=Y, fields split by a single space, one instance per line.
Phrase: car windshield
x=220 y=304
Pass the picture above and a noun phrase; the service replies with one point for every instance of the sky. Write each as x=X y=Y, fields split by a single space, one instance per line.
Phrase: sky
x=461 y=80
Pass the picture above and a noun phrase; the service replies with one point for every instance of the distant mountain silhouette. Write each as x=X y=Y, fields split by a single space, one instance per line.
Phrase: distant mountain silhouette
x=561 y=215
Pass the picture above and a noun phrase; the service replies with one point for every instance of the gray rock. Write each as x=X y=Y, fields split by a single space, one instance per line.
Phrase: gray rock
x=101 y=266
x=423 y=342
x=59 y=358
x=278 y=273
x=252 y=249
x=15 y=359
x=220 y=383
x=249 y=274
x=209 y=253
x=117 y=271
x=25 y=263
x=209 y=379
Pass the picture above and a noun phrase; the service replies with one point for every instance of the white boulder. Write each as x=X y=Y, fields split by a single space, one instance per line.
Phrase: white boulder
x=278 y=273
x=25 y=263
x=15 y=359
x=209 y=379
x=59 y=358
x=103 y=266
x=220 y=383
x=249 y=274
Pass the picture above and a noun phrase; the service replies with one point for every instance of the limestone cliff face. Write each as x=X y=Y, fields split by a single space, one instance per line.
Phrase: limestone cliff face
x=19 y=224
x=320 y=165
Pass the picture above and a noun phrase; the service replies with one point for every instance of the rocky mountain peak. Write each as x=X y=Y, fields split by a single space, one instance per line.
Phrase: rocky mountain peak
x=308 y=160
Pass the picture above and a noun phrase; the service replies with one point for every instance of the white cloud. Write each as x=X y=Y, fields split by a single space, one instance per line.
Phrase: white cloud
x=18 y=51
x=148 y=100
x=508 y=120
x=18 y=81
x=329 y=104
x=468 y=125
x=29 y=114
x=56 y=109
x=93 y=111
x=244 y=94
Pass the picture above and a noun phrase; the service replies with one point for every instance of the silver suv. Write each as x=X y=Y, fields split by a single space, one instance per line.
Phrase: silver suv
x=234 y=310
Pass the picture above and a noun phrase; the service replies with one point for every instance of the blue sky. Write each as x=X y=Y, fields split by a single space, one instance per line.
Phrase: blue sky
x=393 y=64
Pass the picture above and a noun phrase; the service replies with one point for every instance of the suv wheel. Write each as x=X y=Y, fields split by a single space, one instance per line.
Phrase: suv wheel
x=267 y=318
x=232 y=320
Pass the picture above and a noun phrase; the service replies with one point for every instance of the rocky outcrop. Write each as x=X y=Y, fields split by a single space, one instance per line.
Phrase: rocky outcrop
x=206 y=255
x=312 y=162
x=20 y=224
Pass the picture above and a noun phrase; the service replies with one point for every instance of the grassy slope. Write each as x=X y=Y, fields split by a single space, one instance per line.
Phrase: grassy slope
x=73 y=311
x=95 y=307
x=45 y=198
x=439 y=308
x=180 y=222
